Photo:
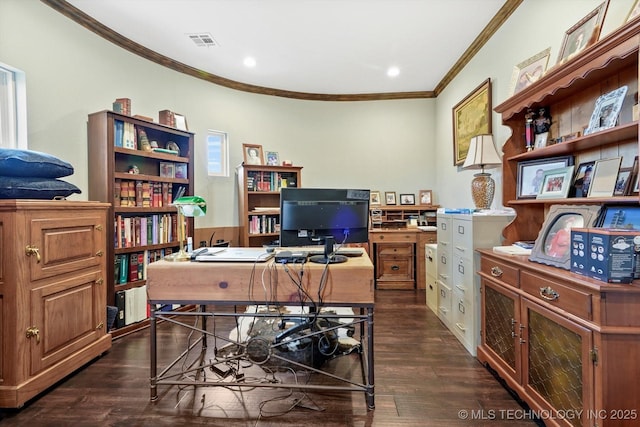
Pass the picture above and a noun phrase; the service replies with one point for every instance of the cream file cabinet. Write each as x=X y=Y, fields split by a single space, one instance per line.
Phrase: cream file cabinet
x=459 y=235
x=431 y=275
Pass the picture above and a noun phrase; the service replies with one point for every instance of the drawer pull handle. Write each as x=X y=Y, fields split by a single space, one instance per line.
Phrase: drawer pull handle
x=461 y=327
x=496 y=271
x=33 y=250
x=33 y=332
x=549 y=294
x=100 y=326
x=99 y=253
x=100 y=281
x=395 y=268
x=99 y=227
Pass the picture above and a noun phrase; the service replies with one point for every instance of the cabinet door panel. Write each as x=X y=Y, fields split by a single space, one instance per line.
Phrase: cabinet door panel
x=559 y=372
x=65 y=242
x=63 y=328
x=500 y=326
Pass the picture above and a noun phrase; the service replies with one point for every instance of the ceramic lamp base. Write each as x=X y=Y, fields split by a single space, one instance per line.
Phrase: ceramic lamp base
x=483 y=188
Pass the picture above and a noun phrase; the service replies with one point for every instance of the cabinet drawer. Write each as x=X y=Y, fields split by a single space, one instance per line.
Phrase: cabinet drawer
x=462 y=277
x=500 y=271
x=395 y=249
x=568 y=299
x=444 y=303
x=392 y=237
x=462 y=236
x=395 y=268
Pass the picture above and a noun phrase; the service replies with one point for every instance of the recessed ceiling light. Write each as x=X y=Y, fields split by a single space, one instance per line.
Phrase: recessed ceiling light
x=393 y=71
x=249 y=62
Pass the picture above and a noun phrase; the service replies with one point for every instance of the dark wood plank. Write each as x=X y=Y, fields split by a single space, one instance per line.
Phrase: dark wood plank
x=424 y=377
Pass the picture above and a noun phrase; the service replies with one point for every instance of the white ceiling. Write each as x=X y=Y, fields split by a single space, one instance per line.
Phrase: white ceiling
x=310 y=46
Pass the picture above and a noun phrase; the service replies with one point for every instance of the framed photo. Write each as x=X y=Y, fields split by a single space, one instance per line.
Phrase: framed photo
x=623 y=182
x=633 y=187
x=556 y=183
x=531 y=174
x=272 y=158
x=627 y=217
x=583 y=34
x=635 y=11
x=606 y=111
x=407 y=199
x=374 y=198
x=471 y=117
x=181 y=121
x=582 y=179
x=553 y=242
x=541 y=140
x=390 y=197
x=181 y=170
x=167 y=170
x=252 y=154
x=605 y=175
x=529 y=71
x=426 y=197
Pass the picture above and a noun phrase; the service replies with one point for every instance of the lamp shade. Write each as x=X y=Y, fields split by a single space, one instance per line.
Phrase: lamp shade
x=482 y=153
x=191 y=205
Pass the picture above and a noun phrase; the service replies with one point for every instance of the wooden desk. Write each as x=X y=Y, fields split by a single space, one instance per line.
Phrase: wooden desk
x=399 y=257
x=349 y=284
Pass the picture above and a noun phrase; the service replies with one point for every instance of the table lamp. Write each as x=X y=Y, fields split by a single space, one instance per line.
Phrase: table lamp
x=482 y=153
x=188 y=206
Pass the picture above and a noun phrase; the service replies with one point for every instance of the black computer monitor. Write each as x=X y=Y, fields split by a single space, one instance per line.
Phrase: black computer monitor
x=323 y=216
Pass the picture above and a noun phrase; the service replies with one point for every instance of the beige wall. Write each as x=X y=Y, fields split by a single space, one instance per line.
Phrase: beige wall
x=401 y=146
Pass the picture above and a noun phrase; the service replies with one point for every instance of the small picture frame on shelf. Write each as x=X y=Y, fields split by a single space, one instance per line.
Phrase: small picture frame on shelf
x=583 y=34
x=556 y=183
x=605 y=175
x=272 y=158
x=426 y=197
x=606 y=110
x=374 y=198
x=407 y=199
x=390 y=197
x=582 y=179
x=529 y=71
x=627 y=217
x=167 y=170
x=541 y=140
x=252 y=154
x=623 y=182
x=180 y=121
x=181 y=170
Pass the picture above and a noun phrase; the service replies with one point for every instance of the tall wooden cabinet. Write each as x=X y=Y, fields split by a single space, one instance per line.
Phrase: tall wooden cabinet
x=259 y=200
x=140 y=181
x=53 y=291
x=565 y=343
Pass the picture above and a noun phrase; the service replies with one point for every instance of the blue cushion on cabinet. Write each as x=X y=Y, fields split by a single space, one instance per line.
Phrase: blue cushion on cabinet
x=14 y=162
x=12 y=187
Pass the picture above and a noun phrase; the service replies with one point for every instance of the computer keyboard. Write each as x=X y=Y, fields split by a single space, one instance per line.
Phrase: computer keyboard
x=348 y=252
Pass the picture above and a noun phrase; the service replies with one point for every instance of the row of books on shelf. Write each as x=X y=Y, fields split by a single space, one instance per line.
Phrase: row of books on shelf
x=132 y=267
x=132 y=306
x=124 y=135
x=146 y=194
x=261 y=224
x=155 y=229
x=269 y=181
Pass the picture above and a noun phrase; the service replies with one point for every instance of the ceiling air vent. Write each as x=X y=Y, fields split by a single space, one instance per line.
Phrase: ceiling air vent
x=203 y=39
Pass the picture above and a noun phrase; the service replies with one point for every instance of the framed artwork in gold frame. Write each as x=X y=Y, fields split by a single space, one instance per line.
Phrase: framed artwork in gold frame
x=471 y=117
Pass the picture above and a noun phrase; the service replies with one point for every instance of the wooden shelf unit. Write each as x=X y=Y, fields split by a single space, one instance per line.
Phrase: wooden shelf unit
x=110 y=165
x=576 y=352
x=259 y=200
x=398 y=216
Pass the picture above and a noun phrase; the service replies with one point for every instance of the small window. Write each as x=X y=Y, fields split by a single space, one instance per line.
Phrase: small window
x=217 y=153
x=13 y=108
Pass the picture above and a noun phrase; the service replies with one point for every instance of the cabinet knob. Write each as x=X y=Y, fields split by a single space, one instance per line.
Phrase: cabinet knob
x=33 y=250
x=496 y=271
x=100 y=326
x=100 y=281
x=33 y=332
x=99 y=227
x=99 y=253
x=549 y=294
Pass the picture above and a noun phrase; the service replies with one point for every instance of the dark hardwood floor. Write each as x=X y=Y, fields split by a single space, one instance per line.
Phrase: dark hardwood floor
x=423 y=377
